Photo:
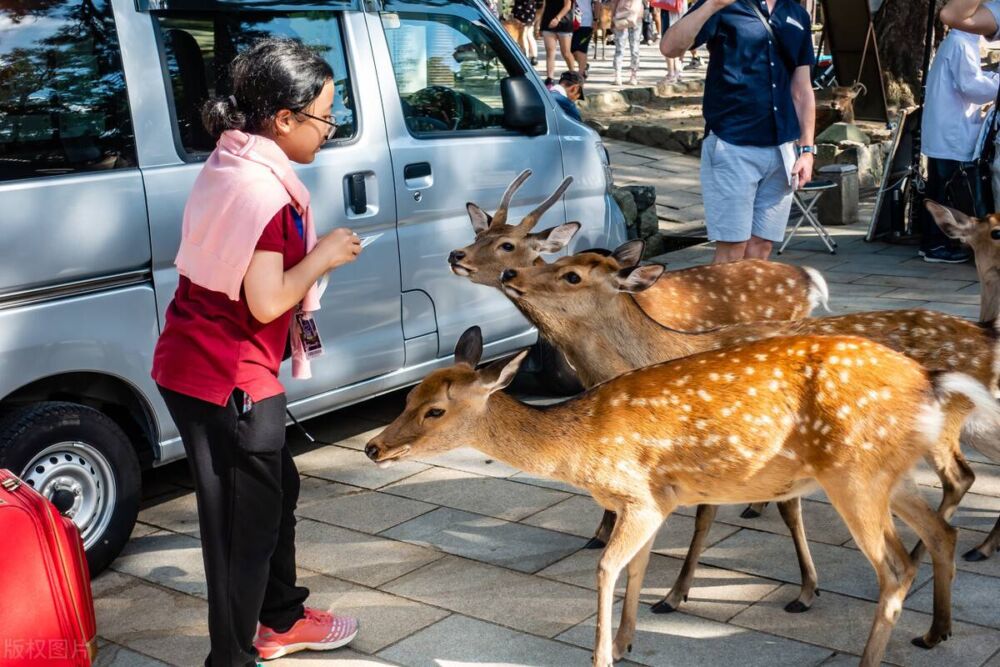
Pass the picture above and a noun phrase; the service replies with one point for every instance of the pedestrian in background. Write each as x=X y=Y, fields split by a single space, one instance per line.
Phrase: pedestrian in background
x=670 y=12
x=249 y=262
x=557 y=32
x=568 y=92
x=583 y=21
x=627 y=18
x=758 y=104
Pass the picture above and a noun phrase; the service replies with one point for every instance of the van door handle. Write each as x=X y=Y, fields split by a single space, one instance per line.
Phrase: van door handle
x=357 y=193
x=418 y=175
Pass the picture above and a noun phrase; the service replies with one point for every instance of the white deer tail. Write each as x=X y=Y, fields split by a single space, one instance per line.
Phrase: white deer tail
x=982 y=427
x=819 y=293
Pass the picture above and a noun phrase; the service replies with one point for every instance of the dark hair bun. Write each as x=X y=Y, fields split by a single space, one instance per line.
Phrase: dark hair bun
x=220 y=114
x=271 y=75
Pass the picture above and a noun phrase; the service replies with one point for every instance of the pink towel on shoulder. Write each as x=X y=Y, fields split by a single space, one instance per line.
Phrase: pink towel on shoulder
x=245 y=182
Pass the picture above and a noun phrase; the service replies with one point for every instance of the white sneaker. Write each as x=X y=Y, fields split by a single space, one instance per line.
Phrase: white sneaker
x=618 y=79
x=633 y=80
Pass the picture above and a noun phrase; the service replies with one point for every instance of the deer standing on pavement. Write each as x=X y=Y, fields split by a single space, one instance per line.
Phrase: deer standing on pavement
x=690 y=299
x=983 y=236
x=770 y=420
x=584 y=305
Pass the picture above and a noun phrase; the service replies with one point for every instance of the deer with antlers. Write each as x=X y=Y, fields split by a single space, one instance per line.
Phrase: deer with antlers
x=761 y=421
x=584 y=305
x=691 y=299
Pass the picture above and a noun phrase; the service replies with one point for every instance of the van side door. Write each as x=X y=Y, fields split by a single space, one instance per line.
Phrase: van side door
x=441 y=65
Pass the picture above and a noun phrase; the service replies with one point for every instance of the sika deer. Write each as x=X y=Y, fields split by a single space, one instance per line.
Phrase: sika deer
x=983 y=235
x=769 y=420
x=690 y=299
x=583 y=304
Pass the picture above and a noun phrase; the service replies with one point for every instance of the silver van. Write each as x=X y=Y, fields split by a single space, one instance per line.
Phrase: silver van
x=100 y=141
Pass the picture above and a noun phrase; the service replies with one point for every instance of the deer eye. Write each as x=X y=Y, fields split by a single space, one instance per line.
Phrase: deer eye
x=434 y=413
x=995 y=234
x=572 y=278
x=507 y=247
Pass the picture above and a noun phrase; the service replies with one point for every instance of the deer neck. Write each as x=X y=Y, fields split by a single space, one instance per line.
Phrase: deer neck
x=989 y=292
x=550 y=442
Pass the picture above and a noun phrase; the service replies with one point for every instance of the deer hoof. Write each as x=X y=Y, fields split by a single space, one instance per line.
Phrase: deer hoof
x=930 y=640
x=750 y=513
x=595 y=543
x=663 y=607
x=797 y=607
x=974 y=556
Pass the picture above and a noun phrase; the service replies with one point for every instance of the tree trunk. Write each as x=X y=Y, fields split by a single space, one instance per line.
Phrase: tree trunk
x=901 y=26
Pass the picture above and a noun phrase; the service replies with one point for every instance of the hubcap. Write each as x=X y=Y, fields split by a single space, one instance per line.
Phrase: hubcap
x=78 y=479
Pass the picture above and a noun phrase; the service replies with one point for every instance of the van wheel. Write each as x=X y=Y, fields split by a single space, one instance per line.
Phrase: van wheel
x=83 y=462
x=556 y=375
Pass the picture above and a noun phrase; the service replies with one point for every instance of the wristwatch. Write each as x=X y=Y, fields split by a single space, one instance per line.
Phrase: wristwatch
x=807 y=149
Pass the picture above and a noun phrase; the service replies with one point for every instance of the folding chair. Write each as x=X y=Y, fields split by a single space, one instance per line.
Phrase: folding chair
x=816 y=189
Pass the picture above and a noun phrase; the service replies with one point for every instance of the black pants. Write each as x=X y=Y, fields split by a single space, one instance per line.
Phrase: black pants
x=247 y=487
x=947 y=186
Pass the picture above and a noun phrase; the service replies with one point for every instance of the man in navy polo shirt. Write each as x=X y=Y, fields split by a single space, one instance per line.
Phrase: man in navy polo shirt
x=758 y=105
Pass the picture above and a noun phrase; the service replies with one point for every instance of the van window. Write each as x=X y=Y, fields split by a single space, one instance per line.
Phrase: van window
x=199 y=47
x=448 y=68
x=63 y=107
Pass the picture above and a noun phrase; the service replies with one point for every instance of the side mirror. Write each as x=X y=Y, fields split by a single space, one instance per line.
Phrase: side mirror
x=523 y=108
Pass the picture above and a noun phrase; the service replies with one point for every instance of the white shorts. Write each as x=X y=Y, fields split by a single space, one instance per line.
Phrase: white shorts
x=747 y=190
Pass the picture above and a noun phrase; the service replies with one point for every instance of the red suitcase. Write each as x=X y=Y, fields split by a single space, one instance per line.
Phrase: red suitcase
x=46 y=606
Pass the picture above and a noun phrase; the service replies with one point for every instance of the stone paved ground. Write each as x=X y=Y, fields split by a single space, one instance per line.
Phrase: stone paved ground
x=459 y=560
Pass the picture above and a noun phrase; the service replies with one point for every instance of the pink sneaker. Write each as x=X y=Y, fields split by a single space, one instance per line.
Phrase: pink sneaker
x=317 y=631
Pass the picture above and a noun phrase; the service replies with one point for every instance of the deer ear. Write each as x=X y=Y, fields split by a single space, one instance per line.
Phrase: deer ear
x=498 y=375
x=481 y=220
x=629 y=253
x=469 y=349
x=555 y=239
x=954 y=223
x=639 y=278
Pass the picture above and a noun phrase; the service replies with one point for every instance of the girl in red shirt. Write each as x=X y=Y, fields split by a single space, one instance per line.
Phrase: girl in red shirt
x=216 y=362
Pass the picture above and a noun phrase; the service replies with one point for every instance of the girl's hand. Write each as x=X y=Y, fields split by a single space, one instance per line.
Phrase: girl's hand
x=554 y=23
x=339 y=247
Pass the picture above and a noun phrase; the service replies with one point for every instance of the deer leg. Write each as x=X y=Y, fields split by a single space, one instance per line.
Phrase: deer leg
x=679 y=591
x=952 y=469
x=989 y=547
x=940 y=537
x=630 y=608
x=634 y=528
x=600 y=538
x=868 y=519
x=753 y=510
x=791 y=514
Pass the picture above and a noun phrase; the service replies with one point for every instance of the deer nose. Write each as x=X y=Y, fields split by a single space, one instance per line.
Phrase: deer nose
x=456 y=256
x=372 y=452
x=507 y=275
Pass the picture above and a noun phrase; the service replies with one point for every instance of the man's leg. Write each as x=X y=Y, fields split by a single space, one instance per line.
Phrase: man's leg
x=771 y=208
x=729 y=178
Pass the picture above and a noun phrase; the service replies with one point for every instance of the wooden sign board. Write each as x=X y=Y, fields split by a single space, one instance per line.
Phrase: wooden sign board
x=851 y=38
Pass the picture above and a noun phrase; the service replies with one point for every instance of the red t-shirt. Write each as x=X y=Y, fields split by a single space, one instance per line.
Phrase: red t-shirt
x=211 y=345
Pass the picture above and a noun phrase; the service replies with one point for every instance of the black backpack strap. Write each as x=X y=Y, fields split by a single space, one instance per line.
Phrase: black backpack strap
x=785 y=58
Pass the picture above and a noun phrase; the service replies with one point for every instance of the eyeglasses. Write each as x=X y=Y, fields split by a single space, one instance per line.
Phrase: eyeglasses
x=333 y=126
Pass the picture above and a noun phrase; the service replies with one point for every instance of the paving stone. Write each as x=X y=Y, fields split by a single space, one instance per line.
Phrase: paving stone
x=677 y=199
x=822 y=522
x=840 y=569
x=349 y=466
x=977 y=512
x=384 y=618
x=994 y=661
x=342 y=657
x=179 y=514
x=546 y=483
x=532 y=604
x=935 y=296
x=113 y=655
x=458 y=640
x=471 y=460
x=499 y=498
x=845 y=304
x=679 y=638
x=577 y=515
x=169 y=559
x=624 y=159
x=842 y=624
x=359 y=440
x=341 y=425
x=517 y=546
x=154 y=621
x=834 y=276
x=903 y=270
x=974 y=599
x=958 y=309
x=716 y=594
x=365 y=511
x=356 y=557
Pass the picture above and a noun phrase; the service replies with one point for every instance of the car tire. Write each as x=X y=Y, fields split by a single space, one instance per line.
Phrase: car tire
x=84 y=463
x=556 y=375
